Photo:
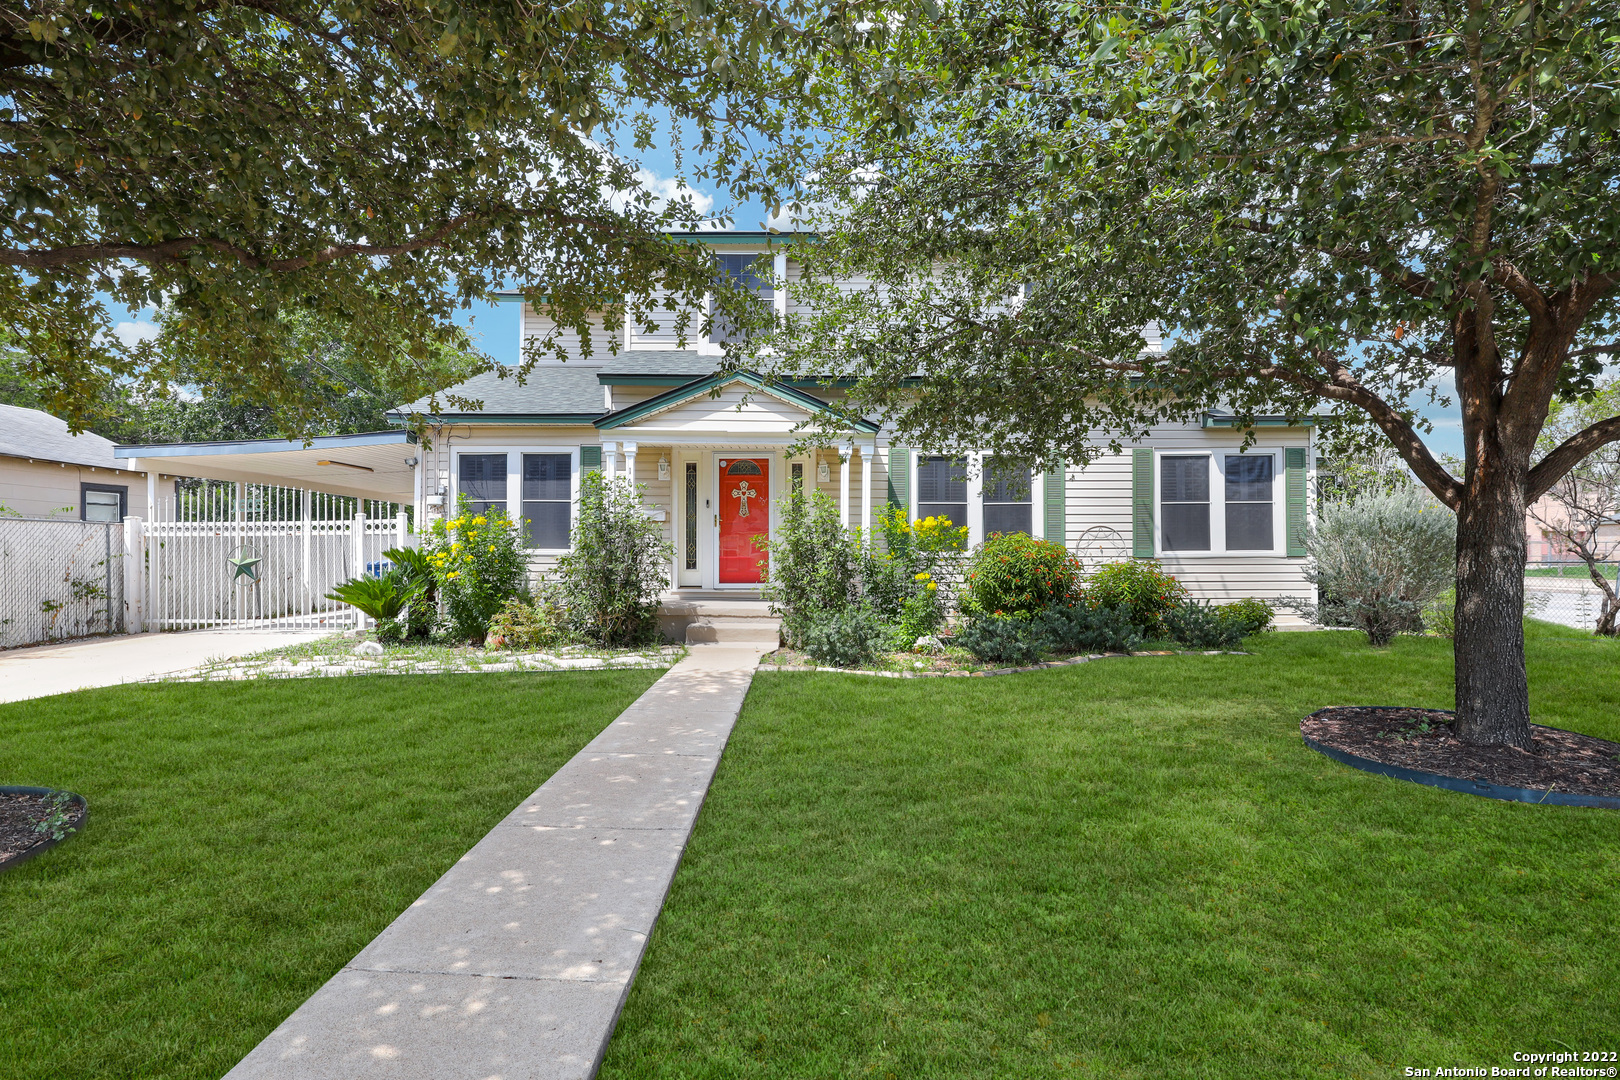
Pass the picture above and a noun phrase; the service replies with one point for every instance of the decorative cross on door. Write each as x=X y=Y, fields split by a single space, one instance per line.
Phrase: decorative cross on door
x=742 y=492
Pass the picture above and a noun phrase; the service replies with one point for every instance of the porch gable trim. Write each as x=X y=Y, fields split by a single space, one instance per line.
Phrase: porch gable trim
x=696 y=388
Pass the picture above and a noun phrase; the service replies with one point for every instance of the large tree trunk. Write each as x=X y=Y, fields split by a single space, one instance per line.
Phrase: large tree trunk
x=1493 y=694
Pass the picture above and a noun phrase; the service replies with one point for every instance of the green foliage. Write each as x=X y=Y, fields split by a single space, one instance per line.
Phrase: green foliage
x=478 y=563
x=60 y=809
x=391 y=631
x=1249 y=616
x=814 y=564
x=375 y=164
x=618 y=565
x=1140 y=587
x=1198 y=625
x=1378 y=559
x=1087 y=628
x=921 y=614
x=1440 y=614
x=1005 y=639
x=417 y=568
x=1016 y=574
x=847 y=638
x=527 y=624
x=380 y=598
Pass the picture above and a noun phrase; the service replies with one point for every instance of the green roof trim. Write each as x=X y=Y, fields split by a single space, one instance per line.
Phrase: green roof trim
x=698 y=387
x=562 y=419
x=644 y=380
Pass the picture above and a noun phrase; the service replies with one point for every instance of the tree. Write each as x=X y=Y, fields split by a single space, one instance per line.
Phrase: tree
x=1324 y=203
x=374 y=164
x=1582 y=509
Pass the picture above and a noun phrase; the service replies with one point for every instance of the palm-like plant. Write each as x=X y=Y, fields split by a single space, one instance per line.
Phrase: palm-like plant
x=381 y=598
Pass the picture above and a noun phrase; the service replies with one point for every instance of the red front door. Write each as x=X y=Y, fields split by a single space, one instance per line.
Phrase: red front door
x=745 y=518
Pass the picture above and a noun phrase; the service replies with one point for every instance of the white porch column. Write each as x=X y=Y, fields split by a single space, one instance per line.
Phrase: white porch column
x=630 y=463
x=845 y=452
x=610 y=460
x=151 y=493
x=134 y=575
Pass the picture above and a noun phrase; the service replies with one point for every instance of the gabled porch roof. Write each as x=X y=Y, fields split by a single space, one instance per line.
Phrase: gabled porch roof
x=704 y=387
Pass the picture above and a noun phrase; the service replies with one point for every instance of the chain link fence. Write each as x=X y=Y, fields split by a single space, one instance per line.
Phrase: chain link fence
x=59 y=580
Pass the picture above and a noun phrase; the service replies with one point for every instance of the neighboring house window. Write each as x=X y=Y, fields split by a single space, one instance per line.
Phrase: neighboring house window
x=1007 y=505
x=483 y=481
x=103 y=502
x=942 y=488
x=1184 y=502
x=1250 y=483
x=547 y=499
x=747 y=271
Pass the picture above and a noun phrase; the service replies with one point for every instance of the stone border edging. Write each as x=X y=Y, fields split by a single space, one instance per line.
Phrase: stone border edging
x=49 y=842
x=992 y=671
x=1500 y=792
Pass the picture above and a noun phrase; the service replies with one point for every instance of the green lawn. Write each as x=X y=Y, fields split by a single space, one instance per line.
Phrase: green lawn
x=245 y=841
x=1131 y=868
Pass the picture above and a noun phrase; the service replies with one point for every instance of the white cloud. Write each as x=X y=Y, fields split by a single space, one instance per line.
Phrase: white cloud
x=133 y=333
x=669 y=189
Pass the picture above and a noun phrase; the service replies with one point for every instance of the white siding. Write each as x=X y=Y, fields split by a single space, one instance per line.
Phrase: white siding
x=536 y=325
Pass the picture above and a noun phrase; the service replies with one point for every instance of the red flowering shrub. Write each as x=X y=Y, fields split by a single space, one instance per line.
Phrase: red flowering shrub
x=1141 y=587
x=1016 y=574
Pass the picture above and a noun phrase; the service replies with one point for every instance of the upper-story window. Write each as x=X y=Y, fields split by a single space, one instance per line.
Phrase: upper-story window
x=750 y=271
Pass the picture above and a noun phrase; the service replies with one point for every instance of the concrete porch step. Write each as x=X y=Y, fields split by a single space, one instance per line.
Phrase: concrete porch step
x=717 y=630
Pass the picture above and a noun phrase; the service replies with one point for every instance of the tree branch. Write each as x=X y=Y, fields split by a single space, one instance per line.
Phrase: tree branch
x=1569 y=454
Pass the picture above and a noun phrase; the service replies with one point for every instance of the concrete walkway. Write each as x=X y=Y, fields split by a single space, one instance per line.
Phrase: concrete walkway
x=41 y=670
x=514 y=965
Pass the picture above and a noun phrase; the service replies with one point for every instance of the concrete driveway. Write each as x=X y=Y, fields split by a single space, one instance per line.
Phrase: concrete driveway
x=108 y=661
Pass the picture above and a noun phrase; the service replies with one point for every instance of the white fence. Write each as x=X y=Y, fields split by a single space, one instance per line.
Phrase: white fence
x=59 y=579
x=250 y=555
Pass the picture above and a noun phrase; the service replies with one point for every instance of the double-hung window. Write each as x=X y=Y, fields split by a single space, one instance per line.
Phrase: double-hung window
x=747 y=272
x=1007 y=499
x=1249 y=491
x=942 y=489
x=482 y=481
x=547 y=499
x=1184 y=502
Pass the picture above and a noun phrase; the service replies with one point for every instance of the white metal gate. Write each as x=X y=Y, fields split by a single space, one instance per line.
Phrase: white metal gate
x=257 y=556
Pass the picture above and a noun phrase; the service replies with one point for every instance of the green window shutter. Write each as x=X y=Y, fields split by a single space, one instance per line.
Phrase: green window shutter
x=1142 y=504
x=900 y=478
x=1295 y=463
x=1055 y=525
x=590 y=457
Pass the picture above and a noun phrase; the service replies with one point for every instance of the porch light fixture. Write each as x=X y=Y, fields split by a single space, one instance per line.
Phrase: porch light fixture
x=663 y=467
x=823 y=472
x=346 y=465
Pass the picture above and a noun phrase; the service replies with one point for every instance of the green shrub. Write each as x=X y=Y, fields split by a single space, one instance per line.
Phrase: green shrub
x=380 y=598
x=611 y=580
x=1004 y=639
x=921 y=614
x=1249 y=616
x=417 y=568
x=478 y=564
x=813 y=566
x=1197 y=625
x=390 y=631
x=1140 y=587
x=1084 y=628
x=848 y=638
x=526 y=624
x=1379 y=559
x=1016 y=574
x=1440 y=614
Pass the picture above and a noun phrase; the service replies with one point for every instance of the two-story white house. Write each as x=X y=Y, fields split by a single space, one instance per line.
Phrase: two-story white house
x=715 y=452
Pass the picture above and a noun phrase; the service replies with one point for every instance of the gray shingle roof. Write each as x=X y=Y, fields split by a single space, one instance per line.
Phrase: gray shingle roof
x=548 y=390
x=661 y=362
x=29 y=433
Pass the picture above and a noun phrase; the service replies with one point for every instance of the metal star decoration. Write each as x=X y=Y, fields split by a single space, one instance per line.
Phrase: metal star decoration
x=244 y=567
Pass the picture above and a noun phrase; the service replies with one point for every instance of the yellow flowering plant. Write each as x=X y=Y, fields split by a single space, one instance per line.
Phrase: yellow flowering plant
x=480 y=563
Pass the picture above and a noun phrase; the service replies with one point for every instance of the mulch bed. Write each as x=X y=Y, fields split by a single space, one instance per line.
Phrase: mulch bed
x=1421 y=740
x=19 y=813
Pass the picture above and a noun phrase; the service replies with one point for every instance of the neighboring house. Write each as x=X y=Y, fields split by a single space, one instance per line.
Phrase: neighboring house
x=714 y=454
x=48 y=472
x=1542 y=523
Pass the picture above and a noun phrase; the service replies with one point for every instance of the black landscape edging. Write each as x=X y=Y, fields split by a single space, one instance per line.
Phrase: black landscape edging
x=49 y=842
x=1467 y=787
